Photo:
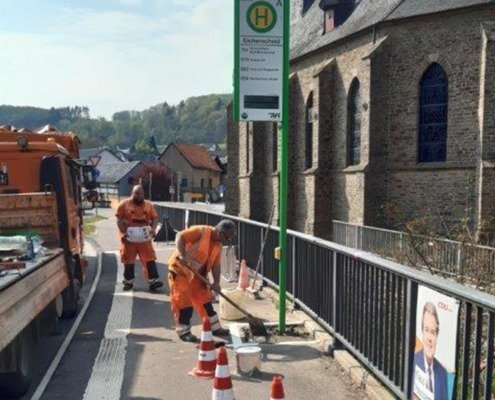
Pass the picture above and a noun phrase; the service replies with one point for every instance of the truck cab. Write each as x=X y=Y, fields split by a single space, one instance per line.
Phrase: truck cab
x=30 y=163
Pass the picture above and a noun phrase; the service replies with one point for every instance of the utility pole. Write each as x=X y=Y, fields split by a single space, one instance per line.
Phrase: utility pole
x=266 y=22
x=284 y=172
x=179 y=182
x=149 y=189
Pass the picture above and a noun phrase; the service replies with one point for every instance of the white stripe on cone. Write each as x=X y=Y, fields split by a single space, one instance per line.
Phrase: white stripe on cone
x=222 y=371
x=207 y=355
x=225 y=394
x=206 y=336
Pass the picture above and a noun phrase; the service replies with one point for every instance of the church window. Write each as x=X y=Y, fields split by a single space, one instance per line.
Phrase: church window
x=308 y=163
x=307 y=5
x=354 y=124
x=433 y=104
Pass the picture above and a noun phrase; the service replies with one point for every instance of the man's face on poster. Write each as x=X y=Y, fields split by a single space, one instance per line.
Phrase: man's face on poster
x=430 y=336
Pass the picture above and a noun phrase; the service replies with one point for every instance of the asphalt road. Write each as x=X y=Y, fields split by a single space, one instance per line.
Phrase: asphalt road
x=126 y=348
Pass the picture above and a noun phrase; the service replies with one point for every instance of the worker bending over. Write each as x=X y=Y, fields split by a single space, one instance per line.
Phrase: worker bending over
x=200 y=248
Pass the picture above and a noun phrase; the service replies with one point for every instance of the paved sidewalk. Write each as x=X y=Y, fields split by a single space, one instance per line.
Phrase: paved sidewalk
x=157 y=362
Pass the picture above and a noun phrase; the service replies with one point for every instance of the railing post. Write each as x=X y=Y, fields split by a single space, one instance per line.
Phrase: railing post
x=410 y=334
x=459 y=258
x=293 y=268
x=337 y=343
x=356 y=240
x=333 y=323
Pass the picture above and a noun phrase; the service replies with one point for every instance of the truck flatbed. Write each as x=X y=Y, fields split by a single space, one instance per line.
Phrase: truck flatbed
x=9 y=277
x=26 y=292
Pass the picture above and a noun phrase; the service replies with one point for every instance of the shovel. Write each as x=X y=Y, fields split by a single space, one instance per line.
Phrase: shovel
x=256 y=325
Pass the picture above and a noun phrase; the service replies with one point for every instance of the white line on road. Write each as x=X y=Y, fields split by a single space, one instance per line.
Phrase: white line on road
x=56 y=361
x=108 y=370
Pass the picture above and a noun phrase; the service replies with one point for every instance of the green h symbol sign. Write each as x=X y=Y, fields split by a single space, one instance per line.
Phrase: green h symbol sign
x=261 y=16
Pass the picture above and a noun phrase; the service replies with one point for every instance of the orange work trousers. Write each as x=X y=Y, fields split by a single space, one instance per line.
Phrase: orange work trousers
x=130 y=251
x=185 y=294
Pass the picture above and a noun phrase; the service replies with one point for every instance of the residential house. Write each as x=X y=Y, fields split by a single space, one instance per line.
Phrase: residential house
x=107 y=156
x=196 y=173
x=117 y=179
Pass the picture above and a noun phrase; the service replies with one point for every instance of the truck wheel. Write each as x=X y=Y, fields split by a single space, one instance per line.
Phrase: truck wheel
x=15 y=383
x=70 y=297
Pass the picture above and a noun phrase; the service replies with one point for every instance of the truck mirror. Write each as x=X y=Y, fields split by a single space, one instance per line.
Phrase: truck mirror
x=89 y=177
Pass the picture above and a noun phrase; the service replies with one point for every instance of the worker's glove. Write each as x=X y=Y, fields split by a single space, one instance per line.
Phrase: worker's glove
x=191 y=263
x=182 y=260
x=152 y=232
x=196 y=266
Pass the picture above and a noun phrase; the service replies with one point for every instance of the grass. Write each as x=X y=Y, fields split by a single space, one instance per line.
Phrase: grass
x=89 y=227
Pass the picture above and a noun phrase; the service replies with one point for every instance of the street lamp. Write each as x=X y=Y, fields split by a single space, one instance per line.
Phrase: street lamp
x=179 y=183
x=172 y=185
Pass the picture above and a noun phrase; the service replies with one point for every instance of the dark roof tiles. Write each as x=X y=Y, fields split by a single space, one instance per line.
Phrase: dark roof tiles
x=411 y=8
x=307 y=30
x=113 y=173
x=307 y=34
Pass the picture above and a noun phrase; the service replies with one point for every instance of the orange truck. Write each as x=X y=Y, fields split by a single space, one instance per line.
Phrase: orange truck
x=41 y=183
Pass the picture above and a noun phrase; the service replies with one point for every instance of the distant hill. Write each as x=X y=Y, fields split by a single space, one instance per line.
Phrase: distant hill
x=34 y=117
x=200 y=119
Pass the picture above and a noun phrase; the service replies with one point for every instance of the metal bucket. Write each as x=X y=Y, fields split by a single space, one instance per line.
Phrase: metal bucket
x=248 y=359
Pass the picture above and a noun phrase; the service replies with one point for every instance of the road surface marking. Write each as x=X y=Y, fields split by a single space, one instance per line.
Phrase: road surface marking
x=106 y=379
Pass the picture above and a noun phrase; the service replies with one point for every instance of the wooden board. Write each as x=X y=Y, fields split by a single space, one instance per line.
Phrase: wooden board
x=22 y=300
x=30 y=213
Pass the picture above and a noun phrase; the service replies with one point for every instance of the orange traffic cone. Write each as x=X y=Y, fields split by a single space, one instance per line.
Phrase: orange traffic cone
x=222 y=385
x=206 y=357
x=277 y=389
x=243 y=276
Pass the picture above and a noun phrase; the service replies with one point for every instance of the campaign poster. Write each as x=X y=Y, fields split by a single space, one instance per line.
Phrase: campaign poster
x=435 y=351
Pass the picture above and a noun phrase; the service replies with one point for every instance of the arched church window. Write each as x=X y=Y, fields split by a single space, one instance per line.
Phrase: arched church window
x=307 y=4
x=433 y=104
x=308 y=159
x=354 y=124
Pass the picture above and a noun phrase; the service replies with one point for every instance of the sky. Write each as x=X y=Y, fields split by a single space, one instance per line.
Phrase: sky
x=114 y=55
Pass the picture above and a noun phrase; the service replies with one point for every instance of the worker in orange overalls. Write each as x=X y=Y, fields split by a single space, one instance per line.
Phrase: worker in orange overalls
x=199 y=247
x=131 y=213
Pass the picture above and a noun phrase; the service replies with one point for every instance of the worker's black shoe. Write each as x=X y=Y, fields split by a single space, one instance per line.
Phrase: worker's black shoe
x=188 y=337
x=156 y=284
x=221 y=332
x=128 y=286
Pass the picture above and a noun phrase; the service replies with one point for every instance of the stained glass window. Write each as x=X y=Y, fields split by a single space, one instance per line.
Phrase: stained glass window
x=309 y=133
x=354 y=124
x=433 y=103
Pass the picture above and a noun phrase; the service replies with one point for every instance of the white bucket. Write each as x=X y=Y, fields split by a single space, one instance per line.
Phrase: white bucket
x=138 y=234
x=248 y=359
x=227 y=310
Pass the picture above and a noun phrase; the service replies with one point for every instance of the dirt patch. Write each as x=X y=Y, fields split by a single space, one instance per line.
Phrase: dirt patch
x=293 y=333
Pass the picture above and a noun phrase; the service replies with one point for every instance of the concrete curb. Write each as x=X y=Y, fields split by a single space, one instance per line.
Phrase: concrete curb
x=360 y=375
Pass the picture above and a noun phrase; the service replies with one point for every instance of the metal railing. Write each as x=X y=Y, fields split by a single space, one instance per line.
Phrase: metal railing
x=454 y=258
x=368 y=303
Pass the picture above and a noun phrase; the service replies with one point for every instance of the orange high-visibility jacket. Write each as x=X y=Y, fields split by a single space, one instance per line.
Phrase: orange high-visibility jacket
x=199 y=248
x=136 y=215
